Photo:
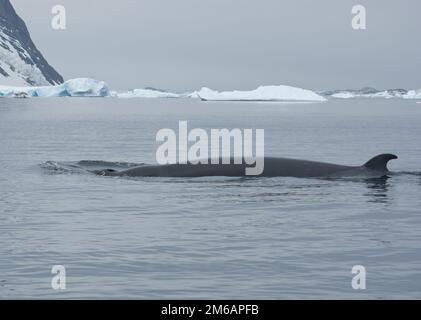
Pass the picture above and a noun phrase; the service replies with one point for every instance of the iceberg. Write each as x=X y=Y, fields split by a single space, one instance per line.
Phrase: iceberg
x=344 y=95
x=86 y=87
x=262 y=93
x=365 y=93
x=147 y=93
x=353 y=95
x=80 y=87
x=413 y=94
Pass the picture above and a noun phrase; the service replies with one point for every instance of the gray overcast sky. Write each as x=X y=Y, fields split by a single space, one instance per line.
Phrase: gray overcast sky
x=223 y=44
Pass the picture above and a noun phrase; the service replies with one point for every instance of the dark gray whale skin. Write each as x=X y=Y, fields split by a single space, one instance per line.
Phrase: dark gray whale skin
x=273 y=167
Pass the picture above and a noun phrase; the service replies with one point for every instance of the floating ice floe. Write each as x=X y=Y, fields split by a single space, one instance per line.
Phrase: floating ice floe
x=146 y=93
x=263 y=93
x=81 y=87
x=413 y=94
x=373 y=93
x=352 y=95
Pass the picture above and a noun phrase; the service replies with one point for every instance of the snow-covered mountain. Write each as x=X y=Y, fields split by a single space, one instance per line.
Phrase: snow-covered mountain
x=21 y=63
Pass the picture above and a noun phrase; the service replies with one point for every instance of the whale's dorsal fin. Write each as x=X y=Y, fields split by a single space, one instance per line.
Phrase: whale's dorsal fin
x=379 y=163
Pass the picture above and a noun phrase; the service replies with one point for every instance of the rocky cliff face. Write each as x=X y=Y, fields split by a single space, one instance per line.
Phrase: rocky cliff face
x=21 y=63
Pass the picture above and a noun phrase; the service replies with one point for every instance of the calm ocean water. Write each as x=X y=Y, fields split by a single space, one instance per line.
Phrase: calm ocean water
x=206 y=237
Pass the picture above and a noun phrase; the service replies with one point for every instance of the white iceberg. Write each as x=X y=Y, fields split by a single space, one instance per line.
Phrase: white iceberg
x=413 y=94
x=263 y=93
x=387 y=94
x=86 y=87
x=352 y=95
x=344 y=95
x=146 y=93
x=81 y=87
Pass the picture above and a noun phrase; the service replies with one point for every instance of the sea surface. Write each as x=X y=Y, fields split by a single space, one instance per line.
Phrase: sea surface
x=227 y=238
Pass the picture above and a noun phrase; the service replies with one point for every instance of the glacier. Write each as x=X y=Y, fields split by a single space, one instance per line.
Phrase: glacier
x=262 y=93
x=80 y=87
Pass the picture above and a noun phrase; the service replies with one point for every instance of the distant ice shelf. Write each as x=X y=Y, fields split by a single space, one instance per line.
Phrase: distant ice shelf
x=263 y=93
x=86 y=87
x=80 y=87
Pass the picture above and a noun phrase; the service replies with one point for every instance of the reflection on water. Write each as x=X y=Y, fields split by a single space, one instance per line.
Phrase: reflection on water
x=377 y=189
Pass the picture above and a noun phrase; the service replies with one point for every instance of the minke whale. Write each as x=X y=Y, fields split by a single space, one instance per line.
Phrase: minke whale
x=273 y=167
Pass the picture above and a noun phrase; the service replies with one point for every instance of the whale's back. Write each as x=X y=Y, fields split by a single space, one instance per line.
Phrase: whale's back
x=300 y=168
x=273 y=167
